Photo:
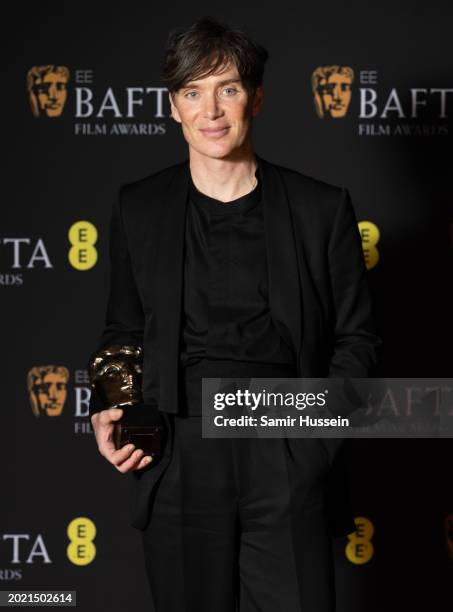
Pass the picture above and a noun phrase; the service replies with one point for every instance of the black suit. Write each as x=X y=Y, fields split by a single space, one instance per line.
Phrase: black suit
x=318 y=294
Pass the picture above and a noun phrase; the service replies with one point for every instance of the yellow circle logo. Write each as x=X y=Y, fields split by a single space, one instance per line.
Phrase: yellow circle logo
x=359 y=549
x=83 y=236
x=370 y=237
x=81 y=533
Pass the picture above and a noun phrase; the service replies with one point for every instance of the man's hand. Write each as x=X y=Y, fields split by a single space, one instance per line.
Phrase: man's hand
x=125 y=459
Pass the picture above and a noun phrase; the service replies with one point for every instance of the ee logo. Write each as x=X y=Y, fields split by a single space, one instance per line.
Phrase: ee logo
x=360 y=549
x=82 y=236
x=370 y=237
x=81 y=532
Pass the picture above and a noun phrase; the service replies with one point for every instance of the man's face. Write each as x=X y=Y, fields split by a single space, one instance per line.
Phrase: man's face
x=216 y=113
x=51 y=92
x=336 y=94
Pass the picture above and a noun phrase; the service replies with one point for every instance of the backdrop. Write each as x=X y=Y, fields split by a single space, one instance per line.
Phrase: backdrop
x=359 y=96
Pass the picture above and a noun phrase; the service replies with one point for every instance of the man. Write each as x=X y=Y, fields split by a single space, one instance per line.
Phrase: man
x=227 y=265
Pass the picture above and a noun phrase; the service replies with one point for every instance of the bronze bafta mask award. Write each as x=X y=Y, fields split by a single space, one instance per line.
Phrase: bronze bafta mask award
x=115 y=374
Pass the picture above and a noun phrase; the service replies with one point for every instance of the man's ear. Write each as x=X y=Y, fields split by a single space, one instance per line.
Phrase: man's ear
x=174 y=110
x=258 y=100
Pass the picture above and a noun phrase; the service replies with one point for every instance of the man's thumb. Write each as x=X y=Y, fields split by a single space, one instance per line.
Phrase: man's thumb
x=116 y=413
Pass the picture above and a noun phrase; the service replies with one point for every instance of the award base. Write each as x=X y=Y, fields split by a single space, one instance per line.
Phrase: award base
x=142 y=426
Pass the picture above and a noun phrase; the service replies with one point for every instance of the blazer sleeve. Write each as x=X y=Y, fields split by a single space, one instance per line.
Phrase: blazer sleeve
x=356 y=344
x=124 y=319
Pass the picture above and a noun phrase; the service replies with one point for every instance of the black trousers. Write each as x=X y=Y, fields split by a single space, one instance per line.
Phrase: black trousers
x=240 y=524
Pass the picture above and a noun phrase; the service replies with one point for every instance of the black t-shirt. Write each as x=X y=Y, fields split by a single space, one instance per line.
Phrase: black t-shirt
x=226 y=312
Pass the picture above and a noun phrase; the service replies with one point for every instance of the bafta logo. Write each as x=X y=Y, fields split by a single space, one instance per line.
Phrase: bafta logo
x=47 y=388
x=47 y=90
x=331 y=87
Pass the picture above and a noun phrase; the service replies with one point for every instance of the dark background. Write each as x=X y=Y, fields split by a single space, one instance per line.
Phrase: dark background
x=53 y=178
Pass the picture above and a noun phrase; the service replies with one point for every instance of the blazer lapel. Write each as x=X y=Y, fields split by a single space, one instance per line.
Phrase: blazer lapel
x=285 y=301
x=169 y=285
x=284 y=290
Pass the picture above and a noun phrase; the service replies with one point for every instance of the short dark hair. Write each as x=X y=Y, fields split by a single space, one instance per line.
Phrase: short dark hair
x=204 y=47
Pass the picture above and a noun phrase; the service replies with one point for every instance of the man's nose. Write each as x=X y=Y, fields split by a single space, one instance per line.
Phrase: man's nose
x=211 y=108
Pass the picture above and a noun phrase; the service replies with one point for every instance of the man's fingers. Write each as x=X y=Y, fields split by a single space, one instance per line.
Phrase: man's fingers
x=117 y=457
x=146 y=460
x=128 y=464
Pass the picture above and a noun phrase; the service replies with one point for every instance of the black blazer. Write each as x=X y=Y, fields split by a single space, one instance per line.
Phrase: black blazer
x=318 y=293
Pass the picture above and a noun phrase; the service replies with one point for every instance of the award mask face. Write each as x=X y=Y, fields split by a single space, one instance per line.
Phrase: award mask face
x=116 y=375
x=47 y=387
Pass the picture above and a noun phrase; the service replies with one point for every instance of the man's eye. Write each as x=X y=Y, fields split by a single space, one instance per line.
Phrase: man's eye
x=187 y=95
x=230 y=89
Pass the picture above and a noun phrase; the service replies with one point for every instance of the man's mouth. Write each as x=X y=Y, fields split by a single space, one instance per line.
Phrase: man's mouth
x=215 y=132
